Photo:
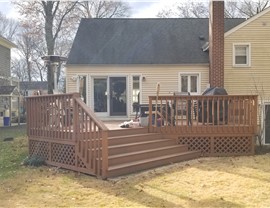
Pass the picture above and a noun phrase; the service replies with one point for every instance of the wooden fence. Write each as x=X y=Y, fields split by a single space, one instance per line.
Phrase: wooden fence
x=217 y=125
x=66 y=133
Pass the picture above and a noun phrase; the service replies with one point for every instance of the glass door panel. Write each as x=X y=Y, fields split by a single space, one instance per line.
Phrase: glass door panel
x=118 y=96
x=100 y=94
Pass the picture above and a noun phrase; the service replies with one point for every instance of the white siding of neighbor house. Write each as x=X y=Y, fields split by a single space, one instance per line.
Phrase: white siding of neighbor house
x=166 y=75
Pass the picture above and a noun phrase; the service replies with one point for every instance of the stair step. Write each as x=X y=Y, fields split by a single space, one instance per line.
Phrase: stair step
x=117 y=140
x=129 y=131
x=139 y=146
x=132 y=167
x=144 y=154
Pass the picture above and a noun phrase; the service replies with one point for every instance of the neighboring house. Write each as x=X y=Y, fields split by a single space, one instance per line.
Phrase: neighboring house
x=114 y=63
x=33 y=88
x=5 y=57
x=8 y=88
x=9 y=96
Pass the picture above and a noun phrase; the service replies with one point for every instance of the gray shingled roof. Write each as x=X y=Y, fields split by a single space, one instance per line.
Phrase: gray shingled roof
x=142 y=41
x=6 y=90
x=35 y=85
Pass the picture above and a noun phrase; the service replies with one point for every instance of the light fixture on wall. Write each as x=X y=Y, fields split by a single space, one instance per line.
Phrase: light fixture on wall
x=143 y=78
x=74 y=78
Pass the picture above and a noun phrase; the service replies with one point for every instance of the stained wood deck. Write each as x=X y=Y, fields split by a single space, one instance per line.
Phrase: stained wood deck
x=67 y=133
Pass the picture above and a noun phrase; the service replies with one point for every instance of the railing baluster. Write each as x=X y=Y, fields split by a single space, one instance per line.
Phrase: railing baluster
x=207 y=114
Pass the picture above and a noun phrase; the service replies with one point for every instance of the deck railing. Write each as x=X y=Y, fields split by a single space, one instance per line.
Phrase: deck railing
x=206 y=114
x=216 y=125
x=66 y=132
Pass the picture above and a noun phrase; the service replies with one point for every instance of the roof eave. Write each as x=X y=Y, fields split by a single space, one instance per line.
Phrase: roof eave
x=229 y=32
x=6 y=43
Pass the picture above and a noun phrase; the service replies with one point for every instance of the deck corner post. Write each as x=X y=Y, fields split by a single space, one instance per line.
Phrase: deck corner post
x=104 y=173
x=75 y=128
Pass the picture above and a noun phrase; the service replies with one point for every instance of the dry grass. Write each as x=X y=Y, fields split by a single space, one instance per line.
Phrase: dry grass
x=205 y=182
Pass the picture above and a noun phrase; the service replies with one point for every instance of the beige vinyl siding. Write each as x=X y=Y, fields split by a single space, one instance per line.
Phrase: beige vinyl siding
x=166 y=75
x=256 y=78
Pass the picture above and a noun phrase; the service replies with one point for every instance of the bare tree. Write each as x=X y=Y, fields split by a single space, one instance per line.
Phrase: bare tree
x=246 y=8
x=186 y=10
x=258 y=88
x=57 y=21
x=233 y=9
x=18 y=69
x=103 y=9
x=47 y=17
x=8 y=27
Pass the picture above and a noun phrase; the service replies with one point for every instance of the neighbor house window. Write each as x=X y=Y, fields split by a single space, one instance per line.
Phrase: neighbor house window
x=135 y=92
x=241 y=57
x=189 y=83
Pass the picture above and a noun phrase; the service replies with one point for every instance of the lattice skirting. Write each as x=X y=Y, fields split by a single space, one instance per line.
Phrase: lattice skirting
x=219 y=145
x=57 y=154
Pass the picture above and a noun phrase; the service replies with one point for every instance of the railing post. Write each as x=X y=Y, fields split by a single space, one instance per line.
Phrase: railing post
x=75 y=128
x=255 y=122
x=150 y=126
x=104 y=173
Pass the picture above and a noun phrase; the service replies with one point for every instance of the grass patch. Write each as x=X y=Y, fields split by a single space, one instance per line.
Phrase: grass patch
x=12 y=152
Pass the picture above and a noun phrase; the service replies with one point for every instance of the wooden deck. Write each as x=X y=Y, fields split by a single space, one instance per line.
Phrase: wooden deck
x=63 y=130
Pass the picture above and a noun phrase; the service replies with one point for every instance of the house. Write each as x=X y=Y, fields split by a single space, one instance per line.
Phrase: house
x=115 y=63
x=34 y=87
x=8 y=88
x=5 y=57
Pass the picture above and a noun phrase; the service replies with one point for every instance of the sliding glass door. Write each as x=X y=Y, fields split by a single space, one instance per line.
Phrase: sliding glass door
x=110 y=96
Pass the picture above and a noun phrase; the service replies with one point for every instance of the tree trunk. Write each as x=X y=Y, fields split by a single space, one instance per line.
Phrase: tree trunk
x=48 y=9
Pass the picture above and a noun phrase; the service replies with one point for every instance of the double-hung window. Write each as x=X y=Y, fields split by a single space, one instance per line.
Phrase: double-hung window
x=241 y=55
x=189 y=83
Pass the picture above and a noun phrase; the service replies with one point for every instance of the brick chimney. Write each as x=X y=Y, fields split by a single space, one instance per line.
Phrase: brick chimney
x=216 y=43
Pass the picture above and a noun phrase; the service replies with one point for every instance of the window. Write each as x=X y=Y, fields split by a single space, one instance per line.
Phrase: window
x=189 y=83
x=135 y=93
x=241 y=55
x=82 y=87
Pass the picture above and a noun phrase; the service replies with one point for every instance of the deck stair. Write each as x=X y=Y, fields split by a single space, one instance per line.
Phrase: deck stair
x=134 y=150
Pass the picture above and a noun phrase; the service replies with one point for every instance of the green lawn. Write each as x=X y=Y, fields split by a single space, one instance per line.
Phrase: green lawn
x=12 y=153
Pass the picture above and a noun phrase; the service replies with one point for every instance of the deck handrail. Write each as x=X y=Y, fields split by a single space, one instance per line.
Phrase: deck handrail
x=99 y=156
x=66 y=118
x=203 y=113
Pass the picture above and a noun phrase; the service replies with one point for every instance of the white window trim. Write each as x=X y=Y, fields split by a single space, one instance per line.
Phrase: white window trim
x=248 y=56
x=107 y=75
x=190 y=73
x=262 y=121
x=87 y=83
x=131 y=91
